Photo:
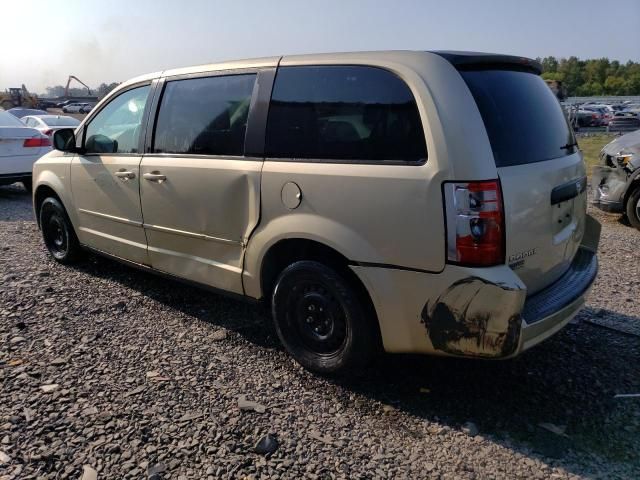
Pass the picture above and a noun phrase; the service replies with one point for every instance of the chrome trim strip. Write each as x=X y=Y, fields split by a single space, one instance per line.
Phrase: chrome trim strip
x=196 y=259
x=111 y=217
x=113 y=237
x=199 y=236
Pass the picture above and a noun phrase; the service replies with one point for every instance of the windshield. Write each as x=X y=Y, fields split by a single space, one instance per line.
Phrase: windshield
x=61 y=122
x=523 y=118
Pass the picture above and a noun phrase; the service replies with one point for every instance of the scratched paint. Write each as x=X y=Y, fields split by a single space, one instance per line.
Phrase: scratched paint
x=474 y=317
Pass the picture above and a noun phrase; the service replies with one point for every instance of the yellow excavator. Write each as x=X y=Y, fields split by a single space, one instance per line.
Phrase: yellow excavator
x=18 y=97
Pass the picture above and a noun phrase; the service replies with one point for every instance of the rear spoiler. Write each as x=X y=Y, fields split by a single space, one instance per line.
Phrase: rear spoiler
x=486 y=61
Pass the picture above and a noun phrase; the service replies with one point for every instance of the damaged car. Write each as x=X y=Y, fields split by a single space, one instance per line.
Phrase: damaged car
x=423 y=202
x=616 y=180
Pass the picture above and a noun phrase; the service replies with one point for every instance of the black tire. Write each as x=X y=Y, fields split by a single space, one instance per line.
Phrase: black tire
x=632 y=208
x=28 y=184
x=57 y=232
x=322 y=320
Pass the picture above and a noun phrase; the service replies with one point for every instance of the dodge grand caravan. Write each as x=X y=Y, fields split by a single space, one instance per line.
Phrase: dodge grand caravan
x=429 y=202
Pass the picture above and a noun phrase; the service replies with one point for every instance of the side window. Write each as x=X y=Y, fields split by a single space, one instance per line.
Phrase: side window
x=204 y=116
x=116 y=128
x=29 y=122
x=343 y=113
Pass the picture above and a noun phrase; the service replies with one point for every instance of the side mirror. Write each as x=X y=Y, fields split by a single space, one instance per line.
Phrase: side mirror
x=64 y=140
x=101 y=144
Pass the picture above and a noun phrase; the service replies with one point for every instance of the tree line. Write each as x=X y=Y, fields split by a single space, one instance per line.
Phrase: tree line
x=585 y=78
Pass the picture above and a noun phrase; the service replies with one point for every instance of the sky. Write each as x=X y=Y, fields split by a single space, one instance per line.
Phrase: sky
x=114 y=40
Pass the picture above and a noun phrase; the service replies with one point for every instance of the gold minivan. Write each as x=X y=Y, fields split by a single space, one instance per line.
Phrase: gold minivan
x=426 y=202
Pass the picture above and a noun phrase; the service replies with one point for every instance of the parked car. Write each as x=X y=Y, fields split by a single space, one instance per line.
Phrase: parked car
x=606 y=111
x=74 y=107
x=599 y=117
x=64 y=104
x=43 y=104
x=616 y=181
x=48 y=124
x=20 y=147
x=343 y=191
x=624 y=122
x=86 y=108
x=20 y=112
x=587 y=118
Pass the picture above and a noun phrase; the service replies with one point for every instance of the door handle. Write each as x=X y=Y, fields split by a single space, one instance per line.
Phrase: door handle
x=125 y=175
x=154 y=177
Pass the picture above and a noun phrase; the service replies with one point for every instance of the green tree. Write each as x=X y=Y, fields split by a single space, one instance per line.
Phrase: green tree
x=598 y=76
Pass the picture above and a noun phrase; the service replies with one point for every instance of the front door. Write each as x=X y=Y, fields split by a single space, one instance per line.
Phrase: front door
x=200 y=195
x=105 y=179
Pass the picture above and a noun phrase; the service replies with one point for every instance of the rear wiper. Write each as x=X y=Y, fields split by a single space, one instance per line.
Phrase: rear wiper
x=568 y=146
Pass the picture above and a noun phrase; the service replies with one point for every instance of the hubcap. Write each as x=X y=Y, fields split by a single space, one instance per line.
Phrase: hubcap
x=317 y=317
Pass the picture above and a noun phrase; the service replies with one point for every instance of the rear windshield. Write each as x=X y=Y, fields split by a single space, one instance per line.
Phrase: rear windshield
x=523 y=118
x=8 y=120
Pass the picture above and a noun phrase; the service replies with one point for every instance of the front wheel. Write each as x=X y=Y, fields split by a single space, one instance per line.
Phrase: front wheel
x=632 y=208
x=321 y=319
x=58 y=233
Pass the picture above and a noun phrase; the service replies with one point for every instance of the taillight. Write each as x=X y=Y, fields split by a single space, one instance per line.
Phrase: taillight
x=475 y=223
x=37 y=142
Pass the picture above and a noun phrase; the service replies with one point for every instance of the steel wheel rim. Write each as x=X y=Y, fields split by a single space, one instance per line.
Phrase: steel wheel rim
x=56 y=235
x=317 y=318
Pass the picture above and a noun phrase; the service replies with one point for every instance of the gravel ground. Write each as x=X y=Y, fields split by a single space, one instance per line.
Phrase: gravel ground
x=106 y=369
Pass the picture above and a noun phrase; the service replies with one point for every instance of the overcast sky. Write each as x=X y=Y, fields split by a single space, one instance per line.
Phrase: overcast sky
x=113 y=40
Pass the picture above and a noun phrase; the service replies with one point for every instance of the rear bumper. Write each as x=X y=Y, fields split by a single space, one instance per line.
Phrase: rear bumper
x=476 y=312
x=549 y=310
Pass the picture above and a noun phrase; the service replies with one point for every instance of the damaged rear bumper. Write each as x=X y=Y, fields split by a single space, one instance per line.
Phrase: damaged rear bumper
x=476 y=312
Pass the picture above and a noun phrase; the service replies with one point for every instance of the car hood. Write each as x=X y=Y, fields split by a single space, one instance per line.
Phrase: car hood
x=629 y=143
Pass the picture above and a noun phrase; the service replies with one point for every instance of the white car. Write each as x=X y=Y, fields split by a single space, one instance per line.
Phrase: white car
x=20 y=147
x=74 y=107
x=48 y=124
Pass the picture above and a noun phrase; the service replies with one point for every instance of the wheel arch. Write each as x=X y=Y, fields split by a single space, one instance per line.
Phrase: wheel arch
x=634 y=184
x=290 y=250
x=44 y=190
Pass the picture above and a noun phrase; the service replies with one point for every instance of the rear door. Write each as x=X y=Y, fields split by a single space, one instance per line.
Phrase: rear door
x=105 y=179
x=542 y=172
x=200 y=189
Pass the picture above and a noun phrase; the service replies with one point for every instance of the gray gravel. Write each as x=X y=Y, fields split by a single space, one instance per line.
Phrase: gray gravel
x=108 y=372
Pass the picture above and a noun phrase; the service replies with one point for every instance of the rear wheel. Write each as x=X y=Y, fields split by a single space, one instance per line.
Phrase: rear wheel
x=58 y=233
x=321 y=319
x=632 y=208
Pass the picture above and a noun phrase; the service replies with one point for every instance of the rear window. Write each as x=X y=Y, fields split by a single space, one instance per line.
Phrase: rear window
x=8 y=120
x=523 y=118
x=351 y=113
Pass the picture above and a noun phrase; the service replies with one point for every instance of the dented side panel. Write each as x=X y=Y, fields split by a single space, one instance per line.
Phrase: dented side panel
x=198 y=221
